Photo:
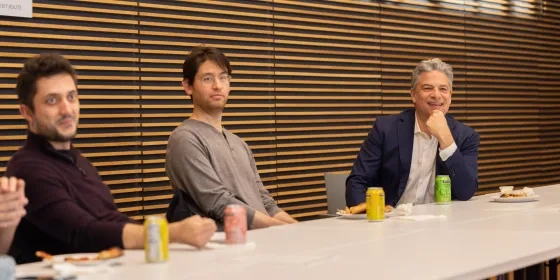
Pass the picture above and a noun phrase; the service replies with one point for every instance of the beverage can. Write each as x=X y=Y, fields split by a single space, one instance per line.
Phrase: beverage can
x=156 y=239
x=235 y=224
x=375 y=203
x=442 y=189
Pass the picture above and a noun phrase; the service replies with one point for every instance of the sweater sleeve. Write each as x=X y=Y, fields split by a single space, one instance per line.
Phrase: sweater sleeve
x=52 y=209
x=269 y=203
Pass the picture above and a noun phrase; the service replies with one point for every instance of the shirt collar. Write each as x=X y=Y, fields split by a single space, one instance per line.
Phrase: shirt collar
x=419 y=132
x=41 y=143
x=416 y=126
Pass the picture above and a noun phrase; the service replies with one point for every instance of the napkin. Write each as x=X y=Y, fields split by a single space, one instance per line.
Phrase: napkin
x=218 y=241
x=222 y=245
x=404 y=212
x=403 y=209
x=529 y=192
x=65 y=269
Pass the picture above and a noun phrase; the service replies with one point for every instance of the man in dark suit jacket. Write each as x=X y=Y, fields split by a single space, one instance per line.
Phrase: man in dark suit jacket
x=403 y=153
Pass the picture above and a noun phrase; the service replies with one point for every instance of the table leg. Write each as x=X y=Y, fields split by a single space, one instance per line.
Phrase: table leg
x=519 y=274
x=502 y=277
x=553 y=269
x=535 y=272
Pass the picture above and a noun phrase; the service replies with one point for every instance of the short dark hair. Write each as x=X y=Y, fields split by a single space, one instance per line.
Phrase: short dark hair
x=200 y=55
x=43 y=65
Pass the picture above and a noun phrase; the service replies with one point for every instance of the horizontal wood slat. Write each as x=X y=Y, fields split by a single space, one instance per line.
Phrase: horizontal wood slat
x=309 y=79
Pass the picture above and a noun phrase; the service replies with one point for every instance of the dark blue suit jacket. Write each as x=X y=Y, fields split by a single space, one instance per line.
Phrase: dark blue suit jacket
x=385 y=156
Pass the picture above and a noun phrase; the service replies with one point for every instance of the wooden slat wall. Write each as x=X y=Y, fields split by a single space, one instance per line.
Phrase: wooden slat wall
x=327 y=85
x=309 y=78
x=503 y=55
x=549 y=92
x=409 y=34
x=168 y=30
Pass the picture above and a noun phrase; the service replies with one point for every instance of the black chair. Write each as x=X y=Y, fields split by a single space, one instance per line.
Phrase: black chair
x=178 y=207
x=181 y=207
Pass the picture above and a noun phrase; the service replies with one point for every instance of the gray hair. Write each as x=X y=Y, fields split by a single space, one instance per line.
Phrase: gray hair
x=434 y=64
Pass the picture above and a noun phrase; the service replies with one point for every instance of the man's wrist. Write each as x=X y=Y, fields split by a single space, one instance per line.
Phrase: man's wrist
x=445 y=141
x=274 y=222
x=173 y=238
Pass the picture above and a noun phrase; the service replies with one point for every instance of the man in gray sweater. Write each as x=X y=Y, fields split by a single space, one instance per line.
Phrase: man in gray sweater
x=208 y=166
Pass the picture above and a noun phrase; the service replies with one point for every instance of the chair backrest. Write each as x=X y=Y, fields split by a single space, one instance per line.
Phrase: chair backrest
x=178 y=207
x=336 y=189
x=182 y=206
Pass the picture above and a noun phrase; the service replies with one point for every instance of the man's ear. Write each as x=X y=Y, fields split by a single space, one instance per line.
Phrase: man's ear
x=26 y=112
x=188 y=88
x=413 y=95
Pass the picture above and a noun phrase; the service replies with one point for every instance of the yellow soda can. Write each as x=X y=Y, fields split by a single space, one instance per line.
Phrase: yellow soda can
x=156 y=239
x=375 y=203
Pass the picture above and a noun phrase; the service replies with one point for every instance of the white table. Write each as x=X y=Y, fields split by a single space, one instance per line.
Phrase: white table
x=478 y=239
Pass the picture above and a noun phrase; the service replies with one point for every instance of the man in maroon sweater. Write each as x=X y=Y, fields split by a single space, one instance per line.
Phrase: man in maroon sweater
x=70 y=209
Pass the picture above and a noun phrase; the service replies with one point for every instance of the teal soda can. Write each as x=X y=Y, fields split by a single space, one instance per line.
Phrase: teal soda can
x=443 y=189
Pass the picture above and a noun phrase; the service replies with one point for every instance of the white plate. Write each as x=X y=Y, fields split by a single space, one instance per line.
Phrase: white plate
x=515 y=199
x=352 y=216
x=60 y=259
x=361 y=216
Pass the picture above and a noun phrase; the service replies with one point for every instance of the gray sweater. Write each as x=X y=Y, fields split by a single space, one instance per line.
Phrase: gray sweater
x=215 y=170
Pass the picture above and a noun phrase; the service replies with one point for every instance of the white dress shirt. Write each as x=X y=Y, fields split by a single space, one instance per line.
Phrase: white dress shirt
x=420 y=185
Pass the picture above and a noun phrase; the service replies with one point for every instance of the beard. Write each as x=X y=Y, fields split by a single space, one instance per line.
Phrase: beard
x=212 y=107
x=50 y=131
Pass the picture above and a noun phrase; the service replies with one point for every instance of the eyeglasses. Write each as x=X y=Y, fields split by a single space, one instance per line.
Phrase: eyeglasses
x=209 y=80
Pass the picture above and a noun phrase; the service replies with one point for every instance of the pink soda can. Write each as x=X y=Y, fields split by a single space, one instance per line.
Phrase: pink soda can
x=235 y=224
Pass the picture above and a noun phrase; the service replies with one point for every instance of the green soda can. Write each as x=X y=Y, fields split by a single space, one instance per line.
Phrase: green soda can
x=443 y=189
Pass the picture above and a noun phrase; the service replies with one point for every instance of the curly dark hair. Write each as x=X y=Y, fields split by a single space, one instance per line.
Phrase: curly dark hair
x=43 y=65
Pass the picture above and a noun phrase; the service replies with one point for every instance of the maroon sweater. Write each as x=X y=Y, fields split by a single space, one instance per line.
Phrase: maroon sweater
x=70 y=209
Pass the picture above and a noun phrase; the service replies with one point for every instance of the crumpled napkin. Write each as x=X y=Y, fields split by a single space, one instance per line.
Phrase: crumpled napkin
x=403 y=209
x=218 y=241
x=404 y=212
x=64 y=269
x=529 y=192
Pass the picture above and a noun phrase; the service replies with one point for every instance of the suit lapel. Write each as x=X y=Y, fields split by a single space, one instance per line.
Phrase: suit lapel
x=405 y=134
x=451 y=122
